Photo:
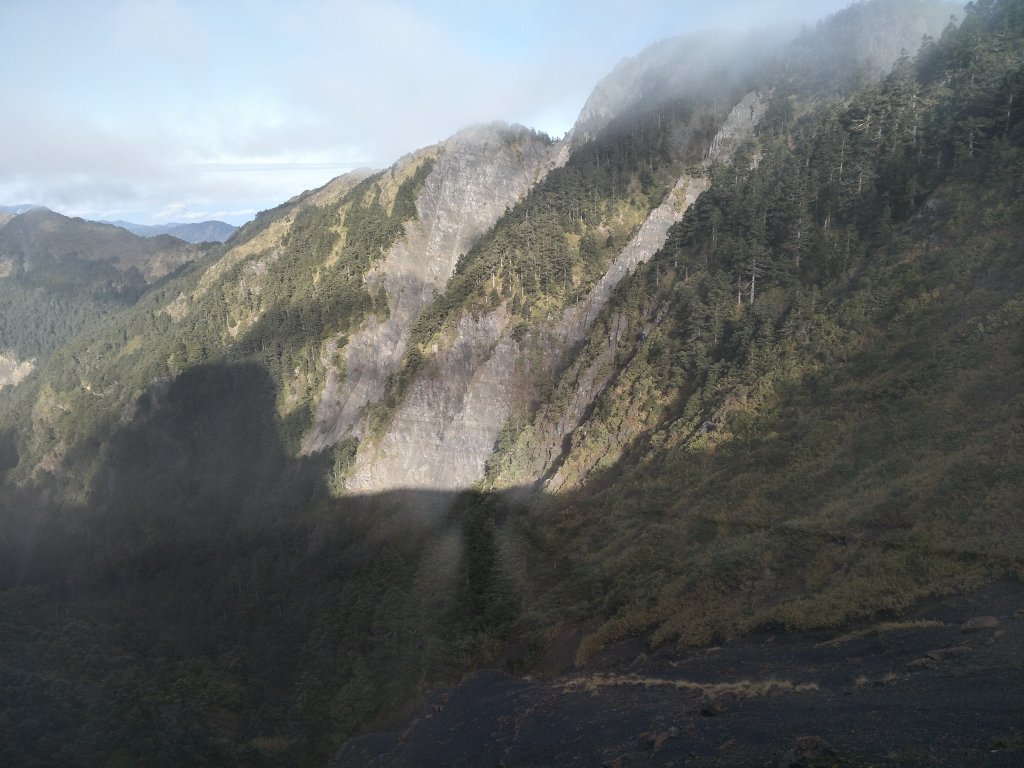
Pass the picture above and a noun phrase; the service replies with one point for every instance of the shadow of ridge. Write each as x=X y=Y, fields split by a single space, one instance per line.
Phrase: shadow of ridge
x=206 y=543
x=214 y=573
x=212 y=435
x=201 y=468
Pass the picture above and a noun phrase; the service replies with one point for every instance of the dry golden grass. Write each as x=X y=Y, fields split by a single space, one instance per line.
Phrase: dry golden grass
x=401 y=171
x=882 y=629
x=264 y=241
x=745 y=689
x=889 y=678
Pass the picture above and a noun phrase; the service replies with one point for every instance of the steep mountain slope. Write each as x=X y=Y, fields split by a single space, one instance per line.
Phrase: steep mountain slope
x=480 y=368
x=803 y=400
x=277 y=295
x=480 y=352
x=289 y=292
x=482 y=172
x=738 y=361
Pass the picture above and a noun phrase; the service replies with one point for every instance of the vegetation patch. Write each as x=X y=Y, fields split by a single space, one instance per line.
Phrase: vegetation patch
x=742 y=689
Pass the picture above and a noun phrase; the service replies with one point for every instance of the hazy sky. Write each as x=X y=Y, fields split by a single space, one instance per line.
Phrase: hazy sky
x=183 y=110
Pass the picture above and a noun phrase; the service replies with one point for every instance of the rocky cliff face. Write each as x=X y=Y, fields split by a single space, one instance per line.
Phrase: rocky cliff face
x=478 y=174
x=738 y=127
x=446 y=430
x=577 y=320
x=495 y=361
x=540 y=446
x=548 y=449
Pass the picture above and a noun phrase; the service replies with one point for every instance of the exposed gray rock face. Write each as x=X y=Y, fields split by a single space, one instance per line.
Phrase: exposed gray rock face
x=564 y=468
x=445 y=429
x=544 y=440
x=645 y=243
x=13 y=371
x=540 y=447
x=478 y=174
x=444 y=432
x=737 y=128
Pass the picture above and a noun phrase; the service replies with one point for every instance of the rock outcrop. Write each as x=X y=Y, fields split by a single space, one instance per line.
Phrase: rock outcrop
x=445 y=431
x=478 y=174
x=738 y=127
x=541 y=447
x=13 y=371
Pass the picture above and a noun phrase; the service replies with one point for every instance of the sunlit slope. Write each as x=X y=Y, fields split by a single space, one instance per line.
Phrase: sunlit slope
x=287 y=293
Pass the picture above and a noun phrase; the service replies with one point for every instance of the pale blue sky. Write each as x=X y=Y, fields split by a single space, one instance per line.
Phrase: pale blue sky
x=181 y=110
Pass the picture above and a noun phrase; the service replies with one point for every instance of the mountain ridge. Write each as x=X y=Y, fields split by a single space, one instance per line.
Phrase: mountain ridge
x=61 y=275
x=40 y=233
x=736 y=364
x=191 y=232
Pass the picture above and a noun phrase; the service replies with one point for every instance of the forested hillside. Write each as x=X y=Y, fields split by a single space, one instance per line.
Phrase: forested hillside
x=60 y=276
x=820 y=415
x=749 y=357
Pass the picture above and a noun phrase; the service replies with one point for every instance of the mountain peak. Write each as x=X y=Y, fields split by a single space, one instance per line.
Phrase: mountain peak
x=19 y=209
x=41 y=235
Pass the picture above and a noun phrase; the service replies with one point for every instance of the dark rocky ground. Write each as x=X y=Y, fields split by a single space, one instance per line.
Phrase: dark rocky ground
x=941 y=686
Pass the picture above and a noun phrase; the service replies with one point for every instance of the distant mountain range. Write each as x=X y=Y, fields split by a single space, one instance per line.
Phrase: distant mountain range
x=60 y=276
x=196 y=232
x=40 y=236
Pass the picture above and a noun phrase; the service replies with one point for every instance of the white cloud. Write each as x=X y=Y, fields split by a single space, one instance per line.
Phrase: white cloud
x=162 y=29
x=231 y=106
